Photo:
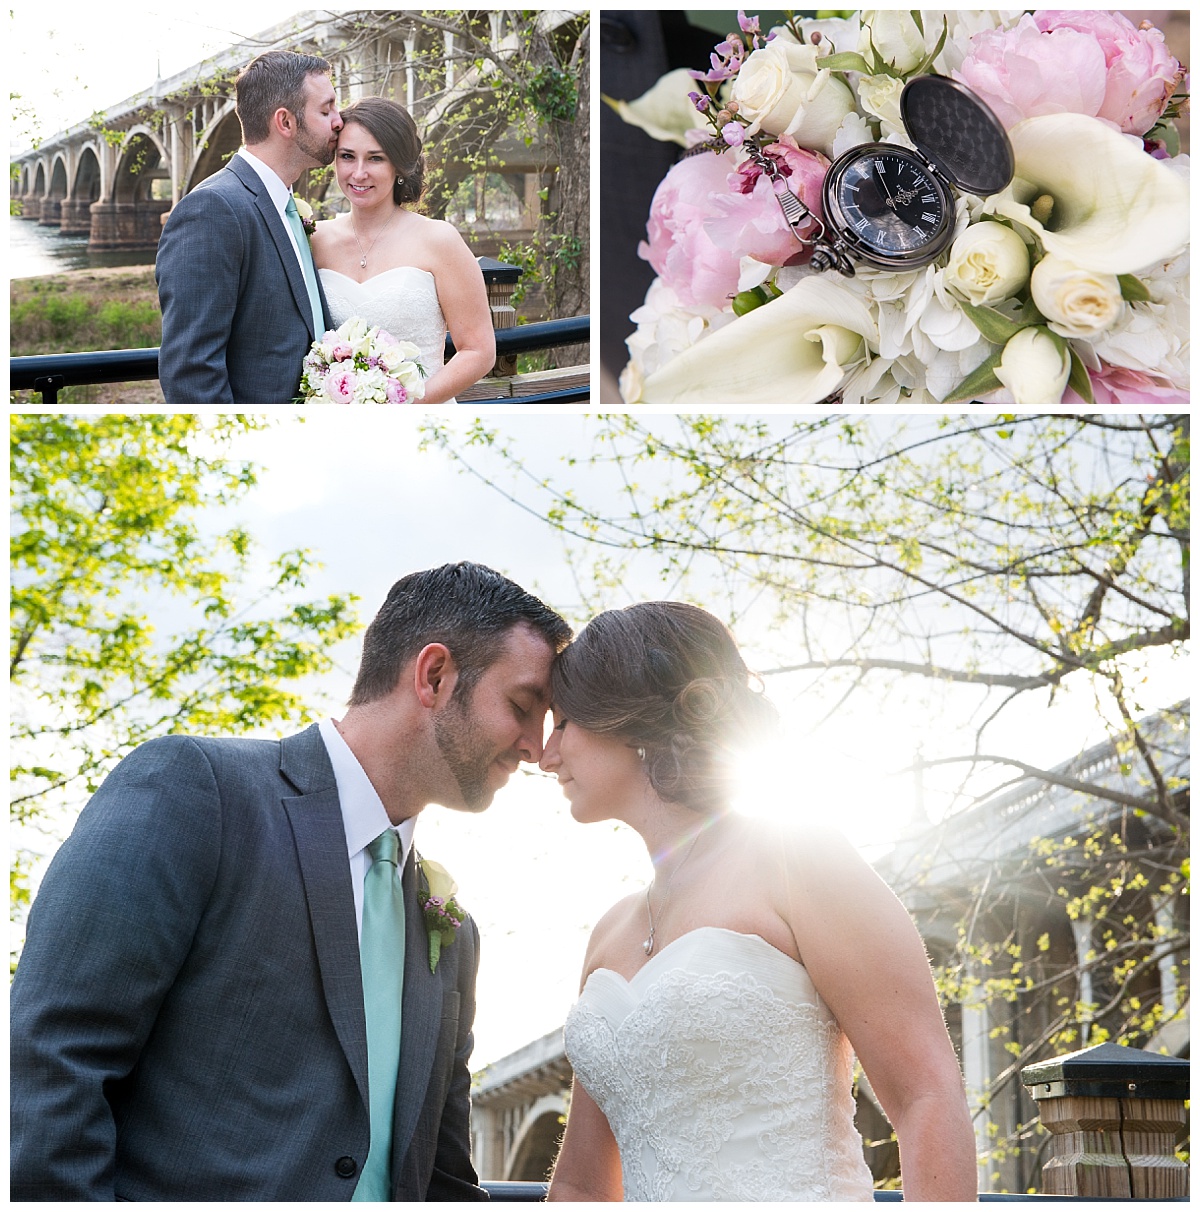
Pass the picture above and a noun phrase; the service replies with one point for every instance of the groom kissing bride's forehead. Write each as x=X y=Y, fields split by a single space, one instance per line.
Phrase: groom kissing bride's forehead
x=228 y=989
x=241 y=300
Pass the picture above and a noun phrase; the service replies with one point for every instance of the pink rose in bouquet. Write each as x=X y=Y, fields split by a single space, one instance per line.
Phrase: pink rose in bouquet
x=681 y=251
x=748 y=220
x=1094 y=63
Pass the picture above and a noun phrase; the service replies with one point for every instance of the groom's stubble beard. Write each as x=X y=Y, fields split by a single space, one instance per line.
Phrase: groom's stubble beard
x=465 y=751
x=310 y=145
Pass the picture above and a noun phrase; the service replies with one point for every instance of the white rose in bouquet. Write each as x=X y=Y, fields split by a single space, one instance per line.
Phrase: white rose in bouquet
x=988 y=263
x=1076 y=302
x=782 y=88
x=894 y=34
x=1035 y=367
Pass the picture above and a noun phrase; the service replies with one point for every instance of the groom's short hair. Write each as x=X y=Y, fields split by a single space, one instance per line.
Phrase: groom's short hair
x=272 y=81
x=468 y=607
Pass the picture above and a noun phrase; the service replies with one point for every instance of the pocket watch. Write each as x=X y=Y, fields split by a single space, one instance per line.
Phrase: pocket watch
x=892 y=208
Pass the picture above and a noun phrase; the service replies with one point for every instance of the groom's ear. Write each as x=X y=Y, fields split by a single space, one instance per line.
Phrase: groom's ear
x=434 y=675
x=283 y=122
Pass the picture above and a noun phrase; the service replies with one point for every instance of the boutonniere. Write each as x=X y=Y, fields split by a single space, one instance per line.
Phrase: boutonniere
x=307 y=219
x=443 y=914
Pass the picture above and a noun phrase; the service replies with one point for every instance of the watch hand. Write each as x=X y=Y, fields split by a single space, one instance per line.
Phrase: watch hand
x=879 y=173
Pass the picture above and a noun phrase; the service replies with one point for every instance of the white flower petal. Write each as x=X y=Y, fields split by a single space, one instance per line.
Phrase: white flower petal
x=794 y=350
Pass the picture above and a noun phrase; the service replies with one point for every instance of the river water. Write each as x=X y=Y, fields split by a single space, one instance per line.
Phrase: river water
x=34 y=251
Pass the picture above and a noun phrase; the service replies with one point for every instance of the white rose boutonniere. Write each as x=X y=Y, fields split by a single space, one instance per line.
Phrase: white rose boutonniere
x=307 y=219
x=443 y=914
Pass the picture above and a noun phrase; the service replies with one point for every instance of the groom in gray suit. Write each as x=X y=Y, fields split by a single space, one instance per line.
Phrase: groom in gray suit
x=190 y=1018
x=241 y=300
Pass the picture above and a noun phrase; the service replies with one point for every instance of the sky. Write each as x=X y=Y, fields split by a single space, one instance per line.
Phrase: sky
x=352 y=486
x=70 y=68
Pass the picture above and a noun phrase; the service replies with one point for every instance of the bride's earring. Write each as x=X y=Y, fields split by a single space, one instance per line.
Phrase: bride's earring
x=641 y=752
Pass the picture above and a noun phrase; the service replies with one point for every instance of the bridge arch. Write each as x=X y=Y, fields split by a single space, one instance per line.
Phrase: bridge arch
x=536 y=1141
x=131 y=217
x=215 y=144
x=141 y=161
x=86 y=188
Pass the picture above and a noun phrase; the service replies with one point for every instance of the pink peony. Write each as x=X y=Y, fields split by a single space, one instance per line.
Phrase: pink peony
x=1093 y=63
x=341 y=352
x=1024 y=73
x=339 y=386
x=1118 y=385
x=397 y=393
x=748 y=220
x=677 y=245
x=1141 y=72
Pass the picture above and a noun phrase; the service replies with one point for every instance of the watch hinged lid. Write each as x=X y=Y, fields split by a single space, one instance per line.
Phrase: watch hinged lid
x=958 y=134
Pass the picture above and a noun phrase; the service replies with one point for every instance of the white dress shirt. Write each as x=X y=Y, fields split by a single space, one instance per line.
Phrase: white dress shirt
x=279 y=192
x=363 y=815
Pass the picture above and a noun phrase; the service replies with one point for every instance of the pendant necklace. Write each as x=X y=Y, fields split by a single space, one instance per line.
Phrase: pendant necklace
x=648 y=945
x=363 y=263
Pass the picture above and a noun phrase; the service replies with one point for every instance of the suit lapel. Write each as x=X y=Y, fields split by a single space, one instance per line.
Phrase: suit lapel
x=279 y=234
x=421 y=1019
x=316 y=821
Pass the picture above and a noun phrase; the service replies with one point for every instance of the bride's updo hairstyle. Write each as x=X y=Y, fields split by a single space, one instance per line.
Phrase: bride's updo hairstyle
x=668 y=678
x=396 y=132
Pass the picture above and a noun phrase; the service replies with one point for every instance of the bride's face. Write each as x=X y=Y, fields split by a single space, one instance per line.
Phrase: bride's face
x=364 y=174
x=599 y=774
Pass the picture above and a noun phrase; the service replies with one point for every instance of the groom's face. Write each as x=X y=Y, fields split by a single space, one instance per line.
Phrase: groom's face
x=318 y=123
x=484 y=735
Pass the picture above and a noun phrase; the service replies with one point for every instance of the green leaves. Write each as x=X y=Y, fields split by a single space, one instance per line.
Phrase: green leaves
x=131 y=613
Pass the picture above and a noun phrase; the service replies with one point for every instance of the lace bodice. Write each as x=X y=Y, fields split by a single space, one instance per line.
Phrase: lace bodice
x=722 y=1073
x=402 y=301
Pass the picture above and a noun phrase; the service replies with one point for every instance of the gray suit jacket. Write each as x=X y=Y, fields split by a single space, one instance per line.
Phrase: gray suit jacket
x=187 y=1016
x=236 y=321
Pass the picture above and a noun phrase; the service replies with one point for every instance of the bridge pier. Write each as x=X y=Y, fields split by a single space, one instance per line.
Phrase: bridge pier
x=77 y=217
x=126 y=225
x=51 y=212
x=31 y=207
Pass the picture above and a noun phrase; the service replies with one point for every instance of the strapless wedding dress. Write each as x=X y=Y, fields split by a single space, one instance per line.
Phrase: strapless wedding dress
x=723 y=1075
x=402 y=301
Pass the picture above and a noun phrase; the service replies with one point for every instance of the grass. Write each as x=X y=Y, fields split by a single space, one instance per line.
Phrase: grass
x=86 y=310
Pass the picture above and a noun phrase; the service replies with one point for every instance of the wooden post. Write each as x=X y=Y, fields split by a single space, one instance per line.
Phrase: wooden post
x=501 y=280
x=1114 y=1115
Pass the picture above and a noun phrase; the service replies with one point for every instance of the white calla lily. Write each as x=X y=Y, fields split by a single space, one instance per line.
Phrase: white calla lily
x=664 y=112
x=797 y=349
x=1116 y=210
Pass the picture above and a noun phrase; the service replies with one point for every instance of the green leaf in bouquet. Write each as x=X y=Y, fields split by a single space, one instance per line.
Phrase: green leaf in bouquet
x=995 y=327
x=1133 y=290
x=980 y=381
x=926 y=64
x=1080 y=381
x=846 y=61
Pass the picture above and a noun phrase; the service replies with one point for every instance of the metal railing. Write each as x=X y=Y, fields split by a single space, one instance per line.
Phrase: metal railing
x=48 y=374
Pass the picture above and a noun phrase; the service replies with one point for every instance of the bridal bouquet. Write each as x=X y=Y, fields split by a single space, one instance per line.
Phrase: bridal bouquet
x=358 y=364
x=1069 y=284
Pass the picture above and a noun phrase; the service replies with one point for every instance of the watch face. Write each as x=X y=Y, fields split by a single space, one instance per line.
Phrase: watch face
x=891 y=207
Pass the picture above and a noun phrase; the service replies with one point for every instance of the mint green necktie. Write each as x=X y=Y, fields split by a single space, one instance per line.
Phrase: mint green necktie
x=382 y=954
x=306 y=263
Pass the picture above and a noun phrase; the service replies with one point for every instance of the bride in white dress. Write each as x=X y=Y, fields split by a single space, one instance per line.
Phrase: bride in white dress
x=411 y=275
x=712 y=1038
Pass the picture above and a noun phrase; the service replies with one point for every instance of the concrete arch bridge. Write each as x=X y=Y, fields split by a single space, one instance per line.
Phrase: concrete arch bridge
x=116 y=176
